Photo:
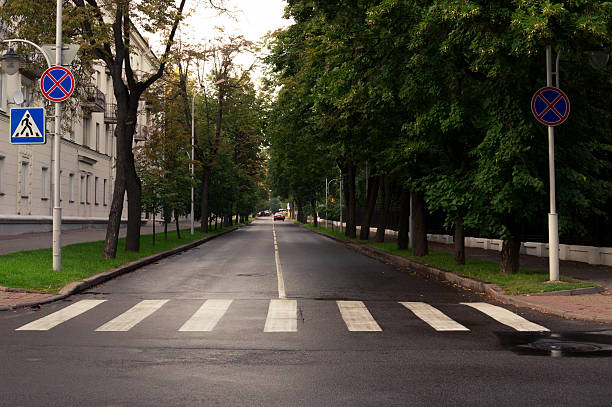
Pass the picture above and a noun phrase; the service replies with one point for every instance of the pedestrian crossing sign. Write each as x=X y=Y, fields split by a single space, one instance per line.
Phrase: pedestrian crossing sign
x=28 y=125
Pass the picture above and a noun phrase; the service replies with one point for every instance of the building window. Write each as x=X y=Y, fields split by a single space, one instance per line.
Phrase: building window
x=2 y=170
x=104 y=193
x=2 y=98
x=85 y=131
x=25 y=166
x=82 y=189
x=87 y=189
x=96 y=191
x=109 y=140
x=44 y=183
x=71 y=187
x=97 y=136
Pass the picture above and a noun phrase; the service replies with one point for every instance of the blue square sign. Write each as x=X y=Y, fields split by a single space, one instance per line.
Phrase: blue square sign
x=28 y=125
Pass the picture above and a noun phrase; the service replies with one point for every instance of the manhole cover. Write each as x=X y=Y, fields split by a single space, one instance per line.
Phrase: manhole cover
x=568 y=346
x=597 y=344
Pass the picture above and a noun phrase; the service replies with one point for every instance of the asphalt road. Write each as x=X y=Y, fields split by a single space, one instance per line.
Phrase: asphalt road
x=208 y=328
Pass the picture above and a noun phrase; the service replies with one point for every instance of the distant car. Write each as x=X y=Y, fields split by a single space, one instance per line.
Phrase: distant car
x=279 y=216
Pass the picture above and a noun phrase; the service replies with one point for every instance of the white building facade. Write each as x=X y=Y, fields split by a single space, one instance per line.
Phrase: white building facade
x=88 y=152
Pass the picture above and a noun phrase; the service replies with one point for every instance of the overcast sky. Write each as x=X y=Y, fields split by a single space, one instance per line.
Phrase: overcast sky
x=251 y=18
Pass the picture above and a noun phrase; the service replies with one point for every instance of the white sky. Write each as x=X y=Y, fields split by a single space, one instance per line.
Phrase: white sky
x=251 y=18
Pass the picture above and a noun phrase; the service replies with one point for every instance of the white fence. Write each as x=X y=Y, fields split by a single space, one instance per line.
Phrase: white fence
x=585 y=254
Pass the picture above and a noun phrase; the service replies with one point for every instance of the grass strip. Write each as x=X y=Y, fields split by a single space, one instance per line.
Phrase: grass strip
x=33 y=270
x=526 y=281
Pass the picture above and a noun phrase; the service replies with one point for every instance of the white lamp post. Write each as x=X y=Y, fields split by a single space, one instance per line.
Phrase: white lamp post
x=191 y=166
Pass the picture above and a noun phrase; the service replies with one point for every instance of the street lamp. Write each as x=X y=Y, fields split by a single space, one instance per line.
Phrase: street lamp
x=326 y=193
x=598 y=57
x=10 y=62
x=191 y=163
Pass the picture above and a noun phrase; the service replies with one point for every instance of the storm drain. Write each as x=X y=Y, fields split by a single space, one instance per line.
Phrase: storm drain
x=567 y=344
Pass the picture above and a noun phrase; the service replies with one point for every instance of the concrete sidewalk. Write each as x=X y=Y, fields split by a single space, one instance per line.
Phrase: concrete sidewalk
x=34 y=241
x=19 y=243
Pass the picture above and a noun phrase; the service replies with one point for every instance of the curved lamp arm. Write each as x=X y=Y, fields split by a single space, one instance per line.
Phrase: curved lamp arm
x=42 y=51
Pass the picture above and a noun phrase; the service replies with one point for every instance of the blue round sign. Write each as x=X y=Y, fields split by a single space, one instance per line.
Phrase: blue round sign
x=550 y=106
x=57 y=83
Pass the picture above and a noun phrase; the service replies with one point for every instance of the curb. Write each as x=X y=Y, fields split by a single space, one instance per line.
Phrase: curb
x=490 y=289
x=78 y=286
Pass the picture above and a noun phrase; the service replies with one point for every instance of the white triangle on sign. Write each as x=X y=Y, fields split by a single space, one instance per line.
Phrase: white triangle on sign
x=27 y=127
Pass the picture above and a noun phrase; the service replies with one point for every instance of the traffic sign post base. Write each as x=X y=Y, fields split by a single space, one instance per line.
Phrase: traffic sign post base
x=553 y=247
x=57 y=238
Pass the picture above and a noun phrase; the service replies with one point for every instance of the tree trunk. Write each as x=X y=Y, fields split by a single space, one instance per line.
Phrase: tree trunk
x=204 y=198
x=372 y=194
x=165 y=228
x=178 y=229
x=127 y=96
x=419 y=246
x=510 y=256
x=349 y=193
x=153 y=228
x=134 y=193
x=313 y=206
x=116 y=209
x=404 y=220
x=384 y=210
x=459 y=242
x=300 y=212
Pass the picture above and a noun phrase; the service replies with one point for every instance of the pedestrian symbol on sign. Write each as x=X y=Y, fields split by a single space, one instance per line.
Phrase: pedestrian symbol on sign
x=28 y=125
x=25 y=125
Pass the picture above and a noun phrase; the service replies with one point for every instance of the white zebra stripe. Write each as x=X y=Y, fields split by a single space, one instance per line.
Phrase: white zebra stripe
x=133 y=316
x=506 y=317
x=63 y=315
x=206 y=318
x=434 y=317
x=282 y=316
x=357 y=317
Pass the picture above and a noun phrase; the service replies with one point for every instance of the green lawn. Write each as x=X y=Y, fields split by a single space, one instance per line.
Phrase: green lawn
x=525 y=282
x=33 y=270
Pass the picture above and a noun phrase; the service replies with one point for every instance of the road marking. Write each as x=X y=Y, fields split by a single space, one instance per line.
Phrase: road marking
x=506 y=317
x=282 y=316
x=63 y=315
x=357 y=317
x=206 y=318
x=279 y=269
x=133 y=316
x=434 y=317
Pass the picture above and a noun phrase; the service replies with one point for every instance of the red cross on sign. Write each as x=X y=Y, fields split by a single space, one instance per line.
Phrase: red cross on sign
x=57 y=83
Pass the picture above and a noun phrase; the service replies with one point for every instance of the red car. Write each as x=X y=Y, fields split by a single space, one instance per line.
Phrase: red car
x=279 y=216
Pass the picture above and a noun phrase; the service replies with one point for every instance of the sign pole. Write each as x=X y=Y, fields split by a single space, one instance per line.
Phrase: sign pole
x=553 y=221
x=57 y=209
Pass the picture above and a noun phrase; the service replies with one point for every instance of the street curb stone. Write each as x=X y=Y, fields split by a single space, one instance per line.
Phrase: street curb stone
x=79 y=286
x=484 y=287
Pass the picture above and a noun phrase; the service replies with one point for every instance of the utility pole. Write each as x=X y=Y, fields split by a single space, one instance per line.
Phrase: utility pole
x=553 y=217
x=57 y=209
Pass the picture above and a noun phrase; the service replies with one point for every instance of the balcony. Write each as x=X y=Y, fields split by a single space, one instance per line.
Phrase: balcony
x=141 y=133
x=95 y=100
x=110 y=113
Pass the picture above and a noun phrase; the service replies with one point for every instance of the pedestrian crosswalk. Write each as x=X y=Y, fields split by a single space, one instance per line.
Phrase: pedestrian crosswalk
x=282 y=316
